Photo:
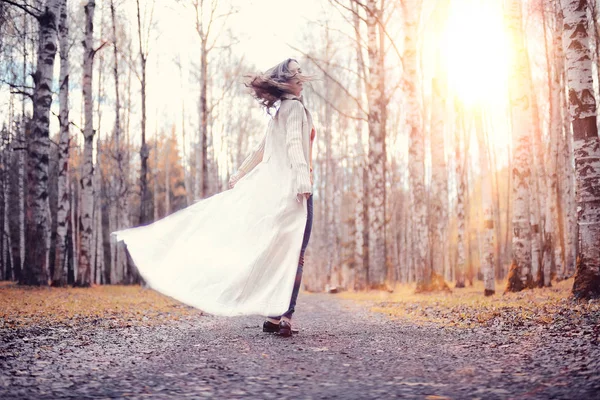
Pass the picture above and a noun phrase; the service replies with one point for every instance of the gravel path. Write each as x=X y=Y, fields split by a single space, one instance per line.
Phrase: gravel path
x=342 y=351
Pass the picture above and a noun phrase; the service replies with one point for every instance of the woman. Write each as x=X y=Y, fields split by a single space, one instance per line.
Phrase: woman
x=241 y=251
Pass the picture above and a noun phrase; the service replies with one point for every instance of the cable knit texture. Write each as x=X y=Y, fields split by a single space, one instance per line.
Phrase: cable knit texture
x=293 y=116
x=254 y=158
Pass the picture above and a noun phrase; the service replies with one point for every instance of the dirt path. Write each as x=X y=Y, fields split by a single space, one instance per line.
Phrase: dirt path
x=342 y=351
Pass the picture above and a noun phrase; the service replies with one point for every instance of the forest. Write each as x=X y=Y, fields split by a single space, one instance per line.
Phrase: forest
x=455 y=248
x=457 y=140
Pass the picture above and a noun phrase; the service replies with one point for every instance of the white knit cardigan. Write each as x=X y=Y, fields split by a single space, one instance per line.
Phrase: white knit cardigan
x=295 y=121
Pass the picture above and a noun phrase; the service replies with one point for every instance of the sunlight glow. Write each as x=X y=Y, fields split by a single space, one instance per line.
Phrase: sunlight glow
x=475 y=47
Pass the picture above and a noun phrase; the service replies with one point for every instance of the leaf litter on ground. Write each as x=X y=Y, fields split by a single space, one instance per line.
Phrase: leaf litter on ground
x=552 y=307
x=109 y=306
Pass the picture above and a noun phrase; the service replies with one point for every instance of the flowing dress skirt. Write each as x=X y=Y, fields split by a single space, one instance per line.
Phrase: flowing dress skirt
x=235 y=253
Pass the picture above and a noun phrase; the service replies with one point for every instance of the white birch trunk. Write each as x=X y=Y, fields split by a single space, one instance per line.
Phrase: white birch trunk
x=155 y=177
x=36 y=266
x=459 y=159
x=201 y=183
x=167 y=177
x=7 y=259
x=487 y=246
x=64 y=205
x=377 y=267
x=144 y=150
x=439 y=179
x=438 y=216
x=98 y=228
x=75 y=200
x=21 y=160
x=553 y=260
x=520 y=102
x=582 y=110
x=360 y=183
x=538 y=185
x=416 y=151
x=84 y=277
x=569 y=200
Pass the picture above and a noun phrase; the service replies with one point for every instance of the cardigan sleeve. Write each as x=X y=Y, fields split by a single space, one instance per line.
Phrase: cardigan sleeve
x=253 y=159
x=293 y=127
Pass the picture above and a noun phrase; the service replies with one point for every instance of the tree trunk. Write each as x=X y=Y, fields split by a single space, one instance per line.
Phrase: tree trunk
x=38 y=214
x=439 y=179
x=582 y=110
x=416 y=150
x=488 y=245
x=155 y=177
x=99 y=265
x=202 y=155
x=438 y=216
x=64 y=204
x=461 y=179
x=144 y=150
x=22 y=161
x=84 y=275
x=553 y=263
x=167 y=176
x=377 y=266
x=361 y=242
x=520 y=102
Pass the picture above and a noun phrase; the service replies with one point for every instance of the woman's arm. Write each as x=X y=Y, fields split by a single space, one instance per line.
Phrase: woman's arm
x=249 y=163
x=293 y=127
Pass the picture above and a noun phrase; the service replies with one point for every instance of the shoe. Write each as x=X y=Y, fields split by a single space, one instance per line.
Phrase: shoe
x=285 y=328
x=270 y=327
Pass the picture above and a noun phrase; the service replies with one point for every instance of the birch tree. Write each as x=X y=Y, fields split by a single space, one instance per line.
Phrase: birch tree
x=488 y=248
x=86 y=222
x=461 y=194
x=120 y=190
x=36 y=265
x=439 y=175
x=416 y=151
x=143 y=39
x=520 y=104
x=64 y=204
x=376 y=158
x=582 y=111
x=361 y=189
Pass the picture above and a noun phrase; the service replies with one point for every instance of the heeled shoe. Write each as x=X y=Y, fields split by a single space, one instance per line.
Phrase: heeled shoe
x=285 y=328
x=270 y=327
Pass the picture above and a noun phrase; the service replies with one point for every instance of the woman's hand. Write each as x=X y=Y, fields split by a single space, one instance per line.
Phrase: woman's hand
x=299 y=196
x=234 y=179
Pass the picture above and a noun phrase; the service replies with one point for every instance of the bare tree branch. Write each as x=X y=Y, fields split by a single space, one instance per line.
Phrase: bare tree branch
x=379 y=21
x=227 y=88
x=349 y=9
x=30 y=95
x=29 y=9
x=99 y=48
x=353 y=39
x=334 y=80
x=338 y=110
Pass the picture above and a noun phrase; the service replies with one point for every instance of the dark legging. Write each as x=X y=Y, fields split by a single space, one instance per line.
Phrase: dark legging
x=307 y=230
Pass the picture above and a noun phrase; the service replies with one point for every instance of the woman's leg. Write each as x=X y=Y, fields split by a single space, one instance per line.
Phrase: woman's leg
x=305 y=239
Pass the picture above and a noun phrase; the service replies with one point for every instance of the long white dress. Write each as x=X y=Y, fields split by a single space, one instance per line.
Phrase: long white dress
x=236 y=252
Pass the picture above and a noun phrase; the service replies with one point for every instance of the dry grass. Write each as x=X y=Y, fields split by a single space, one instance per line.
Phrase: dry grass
x=468 y=307
x=110 y=306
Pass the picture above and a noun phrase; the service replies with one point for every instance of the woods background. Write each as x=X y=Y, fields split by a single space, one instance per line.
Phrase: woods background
x=456 y=139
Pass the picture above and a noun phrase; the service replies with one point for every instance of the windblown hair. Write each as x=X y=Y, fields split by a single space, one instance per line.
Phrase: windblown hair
x=269 y=86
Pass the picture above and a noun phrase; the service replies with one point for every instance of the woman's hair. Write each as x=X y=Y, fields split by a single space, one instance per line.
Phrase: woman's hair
x=269 y=86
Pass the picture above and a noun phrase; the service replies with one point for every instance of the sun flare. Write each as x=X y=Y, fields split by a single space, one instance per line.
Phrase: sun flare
x=475 y=47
